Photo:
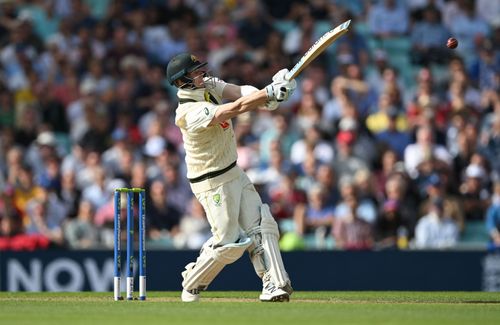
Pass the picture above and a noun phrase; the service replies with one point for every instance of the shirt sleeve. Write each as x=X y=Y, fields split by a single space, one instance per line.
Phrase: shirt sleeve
x=200 y=118
x=219 y=86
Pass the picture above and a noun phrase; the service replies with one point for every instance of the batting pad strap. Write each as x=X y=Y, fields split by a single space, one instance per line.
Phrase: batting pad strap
x=211 y=261
x=256 y=248
x=270 y=237
x=256 y=251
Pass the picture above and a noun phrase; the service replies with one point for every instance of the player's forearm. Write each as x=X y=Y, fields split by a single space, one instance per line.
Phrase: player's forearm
x=234 y=92
x=241 y=105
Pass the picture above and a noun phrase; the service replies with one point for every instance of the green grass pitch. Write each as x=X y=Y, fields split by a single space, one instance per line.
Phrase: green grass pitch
x=233 y=308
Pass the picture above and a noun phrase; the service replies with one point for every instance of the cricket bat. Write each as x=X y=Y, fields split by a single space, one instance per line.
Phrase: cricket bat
x=318 y=47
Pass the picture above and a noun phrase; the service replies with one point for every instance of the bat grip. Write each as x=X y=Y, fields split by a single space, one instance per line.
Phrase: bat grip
x=288 y=76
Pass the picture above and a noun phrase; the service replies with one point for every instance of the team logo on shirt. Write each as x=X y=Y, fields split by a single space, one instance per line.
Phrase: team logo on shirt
x=217 y=199
x=224 y=125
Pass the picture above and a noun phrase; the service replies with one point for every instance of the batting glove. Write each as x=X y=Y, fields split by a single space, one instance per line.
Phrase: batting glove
x=280 y=75
x=271 y=105
x=280 y=90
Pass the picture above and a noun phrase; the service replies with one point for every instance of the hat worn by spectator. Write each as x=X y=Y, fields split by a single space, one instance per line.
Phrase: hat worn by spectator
x=46 y=138
x=347 y=133
x=348 y=124
x=88 y=87
x=474 y=171
x=155 y=146
x=346 y=137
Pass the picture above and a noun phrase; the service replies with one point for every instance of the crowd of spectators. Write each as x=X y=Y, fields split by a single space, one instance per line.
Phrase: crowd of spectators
x=391 y=140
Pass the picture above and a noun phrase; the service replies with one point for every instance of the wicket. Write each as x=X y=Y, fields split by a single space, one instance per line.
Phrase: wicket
x=130 y=192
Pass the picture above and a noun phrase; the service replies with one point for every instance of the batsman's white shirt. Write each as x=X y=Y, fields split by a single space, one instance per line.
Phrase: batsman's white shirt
x=230 y=199
x=208 y=148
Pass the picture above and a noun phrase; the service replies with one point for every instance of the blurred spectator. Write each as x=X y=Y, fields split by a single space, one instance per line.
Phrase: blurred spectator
x=364 y=145
x=13 y=238
x=194 y=229
x=490 y=141
x=388 y=19
x=346 y=163
x=307 y=175
x=81 y=232
x=428 y=37
x=389 y=226
x=312 y=143
x=423 y=100
x=177 y=188
x=281 y=132
x=352 y=82
x=386 y=110
x=463 y=155
x=69 y=194
x=83 y=91
x=365 y=186
x=300 y=38
x=286 y=198
x=453 y=206
x=46 y=215
x=25 y=190
x=389 y=162
x=97 y=193
x=13 y=164
x=220 y=30
x=365 y=208
x=104 y=216
x=423 y=150
x=474 y=194
x=308 y=113
x=246 y=142
x=470 y=29
x=41 y=151
x=488 y=10
x=316 y=216
x=493 y=217
x=351 y=232
x=436 y=229
x=484 y=71
x=112 y=155
x=392 y=137
x=162 y=218
x=355 y=43
x=326 y=178
x=254 y=26
x=138 y=176
x=398 y=188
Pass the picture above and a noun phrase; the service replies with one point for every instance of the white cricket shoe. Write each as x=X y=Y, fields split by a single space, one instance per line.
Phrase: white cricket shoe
x=190 y=295
x=271 y=293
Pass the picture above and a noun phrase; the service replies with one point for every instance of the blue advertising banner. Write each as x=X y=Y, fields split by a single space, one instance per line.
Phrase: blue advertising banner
x=318 y=270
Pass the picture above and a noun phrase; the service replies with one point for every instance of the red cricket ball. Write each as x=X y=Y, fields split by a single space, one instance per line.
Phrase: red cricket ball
x=452 y=43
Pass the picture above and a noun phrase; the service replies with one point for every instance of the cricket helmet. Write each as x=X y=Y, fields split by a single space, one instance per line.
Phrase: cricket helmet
x=180 y=65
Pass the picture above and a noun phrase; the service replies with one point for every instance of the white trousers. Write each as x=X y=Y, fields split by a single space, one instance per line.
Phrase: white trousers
x=231 y=207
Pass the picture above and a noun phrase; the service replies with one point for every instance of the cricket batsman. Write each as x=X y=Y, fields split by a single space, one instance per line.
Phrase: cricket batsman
x=238 y=219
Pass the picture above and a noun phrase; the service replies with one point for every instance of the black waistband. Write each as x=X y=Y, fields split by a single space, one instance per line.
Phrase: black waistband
x=211 y=174
x=186 y=100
